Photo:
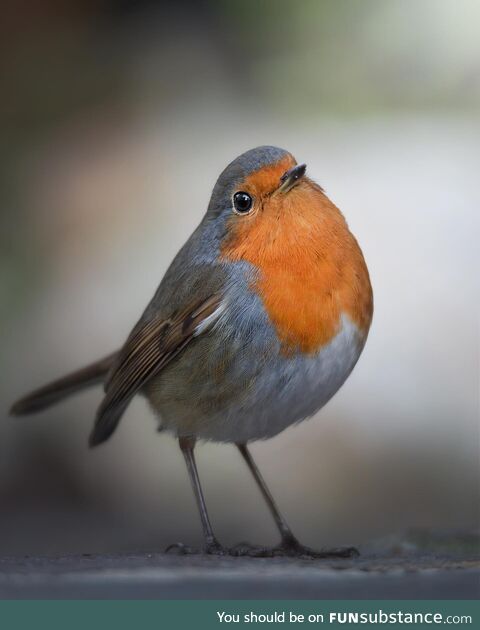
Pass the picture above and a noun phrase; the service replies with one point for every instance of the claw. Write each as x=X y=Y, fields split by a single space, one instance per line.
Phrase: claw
x=180 y=549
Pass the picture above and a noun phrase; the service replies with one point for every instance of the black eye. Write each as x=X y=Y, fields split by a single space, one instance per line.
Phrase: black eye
x=242 y=202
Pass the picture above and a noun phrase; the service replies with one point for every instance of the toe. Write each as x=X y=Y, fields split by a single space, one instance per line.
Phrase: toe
x=294 y=549
x=180 y=549
x=251 y=551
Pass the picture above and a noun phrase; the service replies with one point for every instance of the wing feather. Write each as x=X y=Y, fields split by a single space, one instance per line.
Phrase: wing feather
x=153 y=343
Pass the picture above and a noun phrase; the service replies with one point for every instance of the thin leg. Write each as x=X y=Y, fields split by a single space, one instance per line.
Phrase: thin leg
x=289 y=545
x=211 y=544
x=281 y=523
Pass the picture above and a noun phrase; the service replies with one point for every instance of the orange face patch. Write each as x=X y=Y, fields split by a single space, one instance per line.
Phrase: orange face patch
x=267 y=179
x=311 y=267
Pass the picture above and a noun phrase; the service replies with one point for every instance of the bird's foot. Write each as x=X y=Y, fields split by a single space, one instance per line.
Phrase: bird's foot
x=288 y=548
x=291 y=548
x=212 y=548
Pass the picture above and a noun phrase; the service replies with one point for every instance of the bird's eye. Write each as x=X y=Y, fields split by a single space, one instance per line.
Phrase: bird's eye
x=242 y=202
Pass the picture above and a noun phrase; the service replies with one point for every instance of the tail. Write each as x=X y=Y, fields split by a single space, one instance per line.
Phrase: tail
x=64 y=387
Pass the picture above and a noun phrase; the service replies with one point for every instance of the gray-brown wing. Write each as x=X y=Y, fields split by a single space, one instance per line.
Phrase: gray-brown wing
x=152 y=344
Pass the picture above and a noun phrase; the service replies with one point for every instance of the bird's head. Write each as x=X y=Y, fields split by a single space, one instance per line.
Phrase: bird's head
x=266 y=202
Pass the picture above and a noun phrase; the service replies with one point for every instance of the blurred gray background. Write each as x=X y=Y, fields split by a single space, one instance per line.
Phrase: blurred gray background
x=116 y=119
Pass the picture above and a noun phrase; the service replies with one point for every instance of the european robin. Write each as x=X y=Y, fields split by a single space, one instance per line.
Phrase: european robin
x=258 y=321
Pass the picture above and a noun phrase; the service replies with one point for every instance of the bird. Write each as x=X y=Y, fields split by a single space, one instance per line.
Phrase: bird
x=256 y=324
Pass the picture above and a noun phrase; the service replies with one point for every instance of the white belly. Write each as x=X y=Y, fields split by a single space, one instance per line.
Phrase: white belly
x=281 y=391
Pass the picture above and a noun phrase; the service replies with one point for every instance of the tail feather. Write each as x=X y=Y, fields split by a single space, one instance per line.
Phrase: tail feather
x=62 y=388
x=103 y=430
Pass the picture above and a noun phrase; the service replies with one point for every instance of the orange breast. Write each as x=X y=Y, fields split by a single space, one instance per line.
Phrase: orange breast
x=311 y=269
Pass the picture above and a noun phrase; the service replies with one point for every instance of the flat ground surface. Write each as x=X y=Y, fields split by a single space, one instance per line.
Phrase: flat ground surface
x=406 y=575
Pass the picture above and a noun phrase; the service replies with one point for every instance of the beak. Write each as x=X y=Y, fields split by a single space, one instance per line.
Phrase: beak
x=291 y=177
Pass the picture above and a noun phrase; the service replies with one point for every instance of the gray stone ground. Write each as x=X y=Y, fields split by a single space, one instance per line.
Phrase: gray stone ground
x=398 y=575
